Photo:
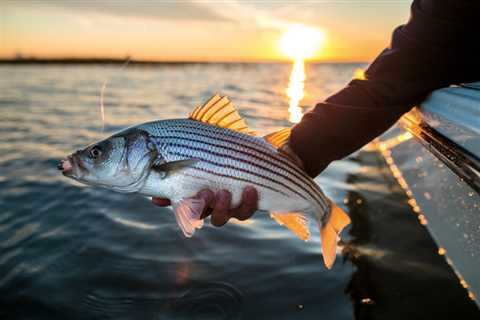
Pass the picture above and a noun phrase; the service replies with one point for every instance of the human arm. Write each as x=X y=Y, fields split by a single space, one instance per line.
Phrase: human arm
x=436 y=48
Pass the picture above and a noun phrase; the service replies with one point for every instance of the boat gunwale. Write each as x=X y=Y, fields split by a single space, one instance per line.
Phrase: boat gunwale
x=461 y=161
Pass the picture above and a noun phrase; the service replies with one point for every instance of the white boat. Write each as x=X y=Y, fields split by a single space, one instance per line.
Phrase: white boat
x=434 y=152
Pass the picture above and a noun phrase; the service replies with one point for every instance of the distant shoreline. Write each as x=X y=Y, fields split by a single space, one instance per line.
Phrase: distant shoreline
x=112 y=61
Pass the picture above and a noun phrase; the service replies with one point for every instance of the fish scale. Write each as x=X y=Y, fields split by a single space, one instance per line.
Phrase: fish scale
x=245 y=145
x=232 y=158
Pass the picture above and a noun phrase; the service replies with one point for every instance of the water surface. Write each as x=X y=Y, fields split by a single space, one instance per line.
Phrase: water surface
x=72 y=252
x=69 y=251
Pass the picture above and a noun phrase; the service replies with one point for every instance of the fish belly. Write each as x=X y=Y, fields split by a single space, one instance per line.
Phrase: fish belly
x=190 y=182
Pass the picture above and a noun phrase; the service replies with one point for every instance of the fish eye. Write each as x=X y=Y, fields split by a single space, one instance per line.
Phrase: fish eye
x=95 y=152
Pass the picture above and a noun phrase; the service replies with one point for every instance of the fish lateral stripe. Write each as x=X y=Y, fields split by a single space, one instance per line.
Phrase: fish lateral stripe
x=254 y=183
x=267 y=153
x=218 y=164
x=192 y=127
x=250 y=150
x=249 y=143
x=160 y=126
x=227 y=154
x=234 y=138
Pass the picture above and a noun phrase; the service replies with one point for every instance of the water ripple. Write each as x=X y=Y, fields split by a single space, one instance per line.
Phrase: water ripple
x=72 y=252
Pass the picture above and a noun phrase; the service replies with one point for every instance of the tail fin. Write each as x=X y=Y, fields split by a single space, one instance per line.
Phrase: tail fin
x=329 y=232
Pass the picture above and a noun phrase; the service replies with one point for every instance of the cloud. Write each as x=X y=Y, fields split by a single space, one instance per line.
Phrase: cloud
x=267 y=15
x=157 y=10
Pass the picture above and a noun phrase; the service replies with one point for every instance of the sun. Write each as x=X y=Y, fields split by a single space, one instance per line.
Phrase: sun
x=301 y=42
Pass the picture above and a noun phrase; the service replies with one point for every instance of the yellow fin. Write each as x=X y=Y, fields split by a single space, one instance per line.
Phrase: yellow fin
x=219 y=111
x=294 y=221
x=329 y=233
x=338 y=218
x=278 y=138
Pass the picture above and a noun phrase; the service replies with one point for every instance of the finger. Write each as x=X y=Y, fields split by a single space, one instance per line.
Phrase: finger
x=206 y=212
x=208 y=196
x=248 y=205
x=161 y=202
x=221 y=214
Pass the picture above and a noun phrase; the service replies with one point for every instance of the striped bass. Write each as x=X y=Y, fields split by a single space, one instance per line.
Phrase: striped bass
x=214 y=149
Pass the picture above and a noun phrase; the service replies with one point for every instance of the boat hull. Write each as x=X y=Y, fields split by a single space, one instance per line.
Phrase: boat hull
x=433 y=151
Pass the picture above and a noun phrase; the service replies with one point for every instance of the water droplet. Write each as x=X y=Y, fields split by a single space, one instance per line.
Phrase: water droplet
x=464 y=283
x=471 y=295
x=367 y=301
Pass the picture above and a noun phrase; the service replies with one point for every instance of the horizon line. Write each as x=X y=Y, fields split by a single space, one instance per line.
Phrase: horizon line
x=111 y=60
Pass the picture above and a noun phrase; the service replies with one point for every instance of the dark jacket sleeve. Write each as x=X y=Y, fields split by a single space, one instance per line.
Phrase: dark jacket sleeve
x=439 y=46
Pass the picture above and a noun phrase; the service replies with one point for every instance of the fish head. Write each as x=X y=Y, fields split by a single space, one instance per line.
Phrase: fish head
x=121 y=162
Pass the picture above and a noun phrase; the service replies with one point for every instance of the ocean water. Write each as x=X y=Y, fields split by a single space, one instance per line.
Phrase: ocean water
x=68 y=251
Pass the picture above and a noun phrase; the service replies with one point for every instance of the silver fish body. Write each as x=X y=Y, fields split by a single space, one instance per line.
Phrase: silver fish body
x=231 y=160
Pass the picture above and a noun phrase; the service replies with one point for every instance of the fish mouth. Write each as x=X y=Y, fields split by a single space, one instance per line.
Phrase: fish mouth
x=66 y=166
x=70 y=166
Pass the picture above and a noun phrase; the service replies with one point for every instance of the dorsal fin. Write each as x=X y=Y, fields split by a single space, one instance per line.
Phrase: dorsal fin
x=219 y=111
x=295 y=221
x=278 y=138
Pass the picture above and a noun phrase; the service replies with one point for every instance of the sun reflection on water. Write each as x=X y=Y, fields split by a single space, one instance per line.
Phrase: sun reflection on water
x=295 y=90
x=299 y=42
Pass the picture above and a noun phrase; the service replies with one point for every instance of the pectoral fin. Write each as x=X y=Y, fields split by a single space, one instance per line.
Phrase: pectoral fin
x=169 y=167
x=294 y=221
x=187 y=214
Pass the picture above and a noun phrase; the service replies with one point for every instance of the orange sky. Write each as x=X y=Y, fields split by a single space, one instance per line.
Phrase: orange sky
x=194 y=30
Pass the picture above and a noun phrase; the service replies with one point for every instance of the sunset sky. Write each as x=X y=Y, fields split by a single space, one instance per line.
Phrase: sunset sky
x=194 y=30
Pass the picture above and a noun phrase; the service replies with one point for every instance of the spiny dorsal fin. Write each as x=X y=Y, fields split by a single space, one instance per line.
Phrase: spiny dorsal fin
x=278 y=138
x=294 y=221
x=220 y=112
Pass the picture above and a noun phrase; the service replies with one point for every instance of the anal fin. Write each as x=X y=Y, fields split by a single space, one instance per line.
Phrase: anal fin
x=294 y=221
x=187 y=213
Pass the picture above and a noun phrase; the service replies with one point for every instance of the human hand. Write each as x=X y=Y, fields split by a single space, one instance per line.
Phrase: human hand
x=218 y=205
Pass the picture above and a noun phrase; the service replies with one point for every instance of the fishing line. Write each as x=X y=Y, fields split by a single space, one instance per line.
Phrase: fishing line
x=102 y=108
x=102 y=94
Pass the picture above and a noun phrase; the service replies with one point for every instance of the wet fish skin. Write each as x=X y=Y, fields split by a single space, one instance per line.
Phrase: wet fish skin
x=229 y=160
